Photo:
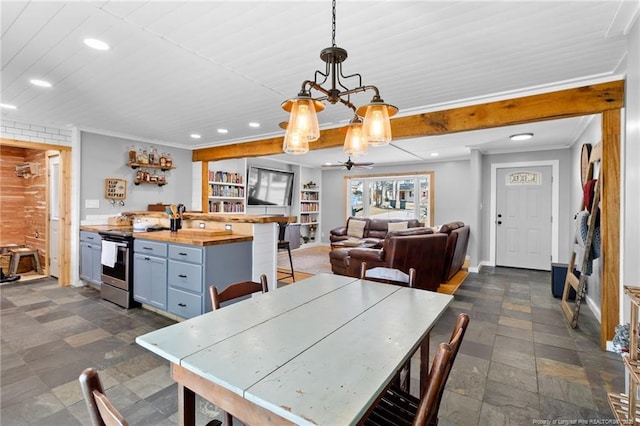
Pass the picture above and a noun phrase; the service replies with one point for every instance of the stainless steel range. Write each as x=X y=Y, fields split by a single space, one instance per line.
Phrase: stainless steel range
x=117 y=267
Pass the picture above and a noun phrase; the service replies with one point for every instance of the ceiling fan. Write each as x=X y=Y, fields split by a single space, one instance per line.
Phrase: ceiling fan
x=349 y=164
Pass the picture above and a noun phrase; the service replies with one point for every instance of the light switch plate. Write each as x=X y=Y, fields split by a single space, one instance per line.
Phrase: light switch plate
x=91 y=204
x=227 y=227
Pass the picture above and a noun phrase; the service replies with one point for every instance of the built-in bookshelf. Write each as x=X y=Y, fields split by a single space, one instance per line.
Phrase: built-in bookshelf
x=309 y=204
x=226 y=191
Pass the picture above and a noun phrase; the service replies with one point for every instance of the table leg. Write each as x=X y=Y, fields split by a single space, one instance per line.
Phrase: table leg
x=424 y=362
x=186 y=406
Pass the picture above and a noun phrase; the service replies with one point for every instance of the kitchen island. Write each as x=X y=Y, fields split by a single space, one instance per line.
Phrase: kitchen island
x=169 y=271
x=262 y=228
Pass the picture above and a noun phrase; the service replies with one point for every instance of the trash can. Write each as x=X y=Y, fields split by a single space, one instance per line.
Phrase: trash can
x=558 y=276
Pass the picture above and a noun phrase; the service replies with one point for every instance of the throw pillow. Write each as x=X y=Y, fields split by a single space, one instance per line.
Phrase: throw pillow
x=397 y=226
x=356 y=228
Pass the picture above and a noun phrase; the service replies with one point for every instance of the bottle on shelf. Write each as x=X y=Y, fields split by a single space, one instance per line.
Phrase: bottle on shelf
x=145 y=157
x=169 y=160
x=156 y=158
x=133 y=154
x=163 y=160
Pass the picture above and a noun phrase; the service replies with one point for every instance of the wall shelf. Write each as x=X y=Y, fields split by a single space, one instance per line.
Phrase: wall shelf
x=149 y=166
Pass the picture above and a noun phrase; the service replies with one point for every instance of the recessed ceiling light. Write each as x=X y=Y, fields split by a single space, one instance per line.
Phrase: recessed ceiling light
x=254 y=124
x=223 y=131
x=96 y=44
x=8 y=106
x=521 y=136
x=434 y=154
x=40 y=83
x=195 y=136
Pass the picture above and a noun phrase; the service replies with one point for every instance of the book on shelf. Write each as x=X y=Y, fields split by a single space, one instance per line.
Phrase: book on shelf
x=225 y=177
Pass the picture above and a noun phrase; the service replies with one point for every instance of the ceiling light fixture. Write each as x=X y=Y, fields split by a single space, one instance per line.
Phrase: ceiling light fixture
x=223 y=131
x=521 y=136
x=8 y=106
x=195 y=136
x=40 y=83
x=303 y=122
x=254 y=124
x=96 y=44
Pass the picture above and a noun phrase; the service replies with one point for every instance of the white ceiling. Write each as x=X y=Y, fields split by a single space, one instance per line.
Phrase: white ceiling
x=176 y=68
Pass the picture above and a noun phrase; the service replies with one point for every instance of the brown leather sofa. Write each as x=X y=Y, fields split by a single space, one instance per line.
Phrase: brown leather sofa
x=375 y=230
x=456 y=251
x=425 y=252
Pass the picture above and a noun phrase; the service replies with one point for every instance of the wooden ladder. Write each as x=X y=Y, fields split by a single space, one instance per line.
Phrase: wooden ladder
x=579 y=285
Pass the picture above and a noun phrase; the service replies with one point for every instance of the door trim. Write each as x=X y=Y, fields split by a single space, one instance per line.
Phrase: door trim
x=555 y=204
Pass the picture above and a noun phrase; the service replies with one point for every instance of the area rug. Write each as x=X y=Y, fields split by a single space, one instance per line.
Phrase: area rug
x=312 y=260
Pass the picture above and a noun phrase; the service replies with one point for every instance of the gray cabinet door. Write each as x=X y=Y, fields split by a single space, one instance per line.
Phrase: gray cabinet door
x=96 y=263
x=150 y=280
x=86 y=261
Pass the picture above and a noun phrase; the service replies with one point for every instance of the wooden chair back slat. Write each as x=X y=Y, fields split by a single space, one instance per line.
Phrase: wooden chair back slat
x=236 y=290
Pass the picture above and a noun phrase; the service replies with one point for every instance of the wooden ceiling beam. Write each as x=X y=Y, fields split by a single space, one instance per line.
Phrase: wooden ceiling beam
x=585 y=100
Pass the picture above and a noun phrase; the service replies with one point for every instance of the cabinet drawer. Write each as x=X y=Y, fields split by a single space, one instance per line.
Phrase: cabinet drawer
x=185 y=305
x=90 y=237
x=149 y=247
x=185 y=254
x=185 y=275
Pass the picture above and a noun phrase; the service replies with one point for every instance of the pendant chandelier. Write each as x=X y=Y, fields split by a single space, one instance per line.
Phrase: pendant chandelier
x=370 y=124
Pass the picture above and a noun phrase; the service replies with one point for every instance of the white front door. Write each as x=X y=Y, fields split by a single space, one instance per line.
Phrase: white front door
x=523 y=217
x=54 y=214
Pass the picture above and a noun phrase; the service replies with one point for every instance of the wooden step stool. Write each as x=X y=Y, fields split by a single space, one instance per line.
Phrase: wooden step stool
x=17 y=253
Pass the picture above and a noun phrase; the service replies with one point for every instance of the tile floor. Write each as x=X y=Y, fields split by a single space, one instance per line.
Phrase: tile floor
x=519 y=361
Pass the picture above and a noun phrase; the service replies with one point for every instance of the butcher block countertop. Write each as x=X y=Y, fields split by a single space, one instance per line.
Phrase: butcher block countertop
x=100 y=228
x=194 y=237
x=242 y=218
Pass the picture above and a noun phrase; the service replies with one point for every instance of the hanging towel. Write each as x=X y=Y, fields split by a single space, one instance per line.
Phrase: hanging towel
x=109 y=253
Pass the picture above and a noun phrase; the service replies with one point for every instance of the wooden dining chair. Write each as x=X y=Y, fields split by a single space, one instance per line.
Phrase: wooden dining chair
x=388 y=275
x=235 y=290
x=398 y=407
x=101 y=411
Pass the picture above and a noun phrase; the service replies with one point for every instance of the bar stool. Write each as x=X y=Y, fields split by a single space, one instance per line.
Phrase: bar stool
x=284 y=245
x=18 y=253
x=6 y=248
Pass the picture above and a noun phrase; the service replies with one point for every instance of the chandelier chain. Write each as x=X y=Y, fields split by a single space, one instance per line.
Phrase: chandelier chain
x=333 y=23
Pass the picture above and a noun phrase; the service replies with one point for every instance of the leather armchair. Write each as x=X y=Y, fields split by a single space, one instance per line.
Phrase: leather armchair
x=456 y=252
x=424 y=252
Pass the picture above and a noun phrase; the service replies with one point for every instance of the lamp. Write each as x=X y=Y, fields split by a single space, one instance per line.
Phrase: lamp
x=303 y=121
x=294 y=143
x=354 y=143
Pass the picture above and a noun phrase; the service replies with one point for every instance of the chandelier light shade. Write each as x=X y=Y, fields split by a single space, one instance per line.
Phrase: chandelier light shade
x=354 y=143
x=376 y=126
x=303 y=120
x=294 y=144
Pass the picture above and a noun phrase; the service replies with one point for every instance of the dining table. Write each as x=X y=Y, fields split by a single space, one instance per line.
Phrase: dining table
x=318 y=351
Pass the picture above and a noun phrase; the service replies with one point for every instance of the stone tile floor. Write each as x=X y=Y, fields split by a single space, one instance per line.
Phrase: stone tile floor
x=519 y=362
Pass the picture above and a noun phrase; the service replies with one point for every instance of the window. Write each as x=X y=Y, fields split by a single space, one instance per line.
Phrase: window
x=407 y=196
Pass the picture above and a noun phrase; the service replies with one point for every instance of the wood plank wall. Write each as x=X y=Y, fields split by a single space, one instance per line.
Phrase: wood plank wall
x=35 y=204
x=13 y=228
x=23 y=201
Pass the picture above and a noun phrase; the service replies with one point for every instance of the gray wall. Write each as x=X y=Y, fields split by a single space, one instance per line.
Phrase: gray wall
x=452 y=193
x=106 y=157
x=565 y=219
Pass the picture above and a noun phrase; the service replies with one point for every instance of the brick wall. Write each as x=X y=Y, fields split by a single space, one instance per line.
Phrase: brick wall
x=35 y=133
